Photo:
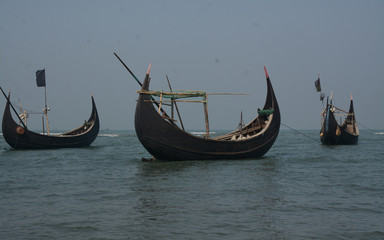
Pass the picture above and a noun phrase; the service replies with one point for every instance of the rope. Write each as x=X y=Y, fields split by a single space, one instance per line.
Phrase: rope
x=365 y=127
x=28 y=111
x=300 y=133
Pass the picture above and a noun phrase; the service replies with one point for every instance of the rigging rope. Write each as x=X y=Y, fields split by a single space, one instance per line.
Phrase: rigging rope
x=365 y=127
x=27 y=110
x=300 y=133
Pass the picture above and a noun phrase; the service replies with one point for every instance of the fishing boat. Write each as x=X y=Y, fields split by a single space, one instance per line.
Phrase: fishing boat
x=332 y=133
x=18 y=136
x=165 y=140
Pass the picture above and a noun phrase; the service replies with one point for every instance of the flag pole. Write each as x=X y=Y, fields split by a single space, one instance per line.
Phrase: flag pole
x=46 y=109
x=40 y=81
x=42 y=120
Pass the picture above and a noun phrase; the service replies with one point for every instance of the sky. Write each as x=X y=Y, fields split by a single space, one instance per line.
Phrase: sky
x=215 y=46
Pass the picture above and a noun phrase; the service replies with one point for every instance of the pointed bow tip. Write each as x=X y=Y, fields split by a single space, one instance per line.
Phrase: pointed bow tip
x=351 y=97
x=266 y=73
x=149 y=68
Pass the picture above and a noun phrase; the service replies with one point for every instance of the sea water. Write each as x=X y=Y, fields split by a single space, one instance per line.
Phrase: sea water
x=299 y=190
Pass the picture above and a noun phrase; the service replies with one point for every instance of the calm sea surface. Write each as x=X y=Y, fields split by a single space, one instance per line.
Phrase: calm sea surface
x=299 y=190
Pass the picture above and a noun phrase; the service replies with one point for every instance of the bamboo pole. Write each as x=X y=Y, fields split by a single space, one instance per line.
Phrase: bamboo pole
x=161 y=98
x=206 y=116
x=126 y=67
x=42 y=120
x=25 y=117
x=21 y=109
x=46 y=118
x=14 y=110
x=172 y=107
x=46 y=109
x=23 y=113
x=175 y=101
x=186 y=94
x=341 y=110
x=137 y=80
x=170 y=88
x=241 y=123
x=177 y=109
x=227 y=94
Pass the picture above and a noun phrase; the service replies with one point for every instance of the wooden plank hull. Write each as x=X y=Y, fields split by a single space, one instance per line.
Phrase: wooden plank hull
x=20 y=138
x=165 y=141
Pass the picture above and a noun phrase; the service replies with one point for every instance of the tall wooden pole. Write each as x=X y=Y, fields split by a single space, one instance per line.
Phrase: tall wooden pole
x=172 y=99
x=46 y=109
x=206 y=115
x=137 y=80
x=161 y=99
x=23 y=113
x=14 y=110
x=42 y=120
x=25 y=117
x=177 y=109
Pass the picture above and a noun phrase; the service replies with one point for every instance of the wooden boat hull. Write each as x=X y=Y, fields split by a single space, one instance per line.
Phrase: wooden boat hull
x=166 y=141
x=20 y=138
x=333 y=134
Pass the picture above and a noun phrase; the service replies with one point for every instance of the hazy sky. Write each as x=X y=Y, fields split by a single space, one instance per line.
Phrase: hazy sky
x=217 y=46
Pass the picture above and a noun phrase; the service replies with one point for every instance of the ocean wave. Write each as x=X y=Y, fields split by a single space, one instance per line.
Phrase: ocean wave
x=202 y=133
x=379 y=133
x=108 y=135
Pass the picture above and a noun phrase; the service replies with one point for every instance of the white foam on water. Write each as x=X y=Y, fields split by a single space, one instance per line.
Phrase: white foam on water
x=108 y=135
x=201 y=133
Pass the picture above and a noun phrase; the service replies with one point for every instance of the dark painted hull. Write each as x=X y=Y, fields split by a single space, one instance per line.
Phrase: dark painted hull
x=333 y=134
x=80 y=137
x=166 y=141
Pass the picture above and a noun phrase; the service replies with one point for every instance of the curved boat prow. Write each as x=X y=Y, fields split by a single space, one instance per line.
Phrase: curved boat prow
x=266 y=73
x=94 y=114
x=145 y=85
x=149 y=69
x=271 y=101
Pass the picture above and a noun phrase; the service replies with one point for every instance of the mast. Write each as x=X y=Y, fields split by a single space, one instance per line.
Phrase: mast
x=23 y=114
x=205 y=102
x=42 y=121
x=241 y=123
x=46 y=109
x=40 y=81
x=322 y=96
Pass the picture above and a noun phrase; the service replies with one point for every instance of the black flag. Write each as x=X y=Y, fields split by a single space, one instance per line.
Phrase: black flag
x=317 y=85
x=40 y=78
